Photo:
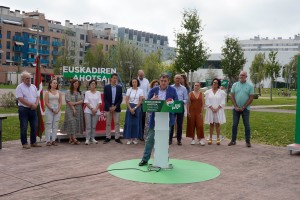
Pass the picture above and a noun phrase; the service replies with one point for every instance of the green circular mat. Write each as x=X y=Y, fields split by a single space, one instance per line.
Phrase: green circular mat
x=184 y=171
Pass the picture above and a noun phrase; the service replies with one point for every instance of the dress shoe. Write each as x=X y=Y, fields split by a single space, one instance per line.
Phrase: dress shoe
x=248 y=144
x=179 y=143
x=142 y=163
x=107 y=140
x=118 y=141
x=231 y=143
x=35 y=145
x=26 y=146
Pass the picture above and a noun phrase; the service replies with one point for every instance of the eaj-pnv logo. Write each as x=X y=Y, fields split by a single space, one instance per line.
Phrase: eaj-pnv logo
x=170 y=102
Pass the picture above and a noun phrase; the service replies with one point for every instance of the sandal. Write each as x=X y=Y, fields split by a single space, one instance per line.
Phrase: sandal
x=209 y=141
x=218 y=141
x=54 y=143
x=76 y=142
x=48 y=144
x=71 y=141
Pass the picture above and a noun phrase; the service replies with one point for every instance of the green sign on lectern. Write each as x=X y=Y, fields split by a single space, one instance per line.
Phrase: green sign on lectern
x=168 y=105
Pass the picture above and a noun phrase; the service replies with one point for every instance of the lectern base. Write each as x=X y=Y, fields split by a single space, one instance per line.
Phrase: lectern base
x=293 y=147
x=156 y=168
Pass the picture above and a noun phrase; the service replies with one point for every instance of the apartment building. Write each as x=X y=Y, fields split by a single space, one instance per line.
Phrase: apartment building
x=148 y=42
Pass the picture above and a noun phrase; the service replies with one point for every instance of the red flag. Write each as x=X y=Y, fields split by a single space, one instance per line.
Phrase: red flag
x=40 y=109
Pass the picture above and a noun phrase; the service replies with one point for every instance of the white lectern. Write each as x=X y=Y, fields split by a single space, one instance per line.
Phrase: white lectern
x=161 y=144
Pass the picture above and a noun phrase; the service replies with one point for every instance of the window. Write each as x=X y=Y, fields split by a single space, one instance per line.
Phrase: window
x=7 y=55
x=8 y=34
x=8 y=45
x=81 y=36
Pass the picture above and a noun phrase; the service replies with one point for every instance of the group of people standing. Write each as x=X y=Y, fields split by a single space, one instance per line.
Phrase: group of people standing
x=79 y=107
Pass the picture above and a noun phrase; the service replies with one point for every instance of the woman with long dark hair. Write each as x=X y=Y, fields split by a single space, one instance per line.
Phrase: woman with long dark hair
x=73 y=122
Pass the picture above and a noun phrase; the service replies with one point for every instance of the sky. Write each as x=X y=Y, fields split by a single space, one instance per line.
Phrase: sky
x=242 y=19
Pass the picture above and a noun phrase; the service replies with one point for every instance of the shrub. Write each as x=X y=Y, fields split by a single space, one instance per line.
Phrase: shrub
x=256 y=96
x=8 y=100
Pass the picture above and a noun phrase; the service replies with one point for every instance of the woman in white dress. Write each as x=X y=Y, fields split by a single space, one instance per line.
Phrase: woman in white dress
x=215 y=103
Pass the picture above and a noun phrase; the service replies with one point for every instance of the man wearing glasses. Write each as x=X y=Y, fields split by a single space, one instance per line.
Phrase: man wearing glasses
x=242 y=94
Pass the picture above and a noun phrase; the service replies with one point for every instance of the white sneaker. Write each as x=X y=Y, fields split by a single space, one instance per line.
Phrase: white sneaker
x=87 y=142
x=94 y=141
x=202 y=143
x=193 y=142
x=134 y=142
x=128 y=142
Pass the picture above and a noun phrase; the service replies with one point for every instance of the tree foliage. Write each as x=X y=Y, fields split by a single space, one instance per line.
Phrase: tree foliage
x=233 y=59
x=191 y=52
x=130 y=60
x=272 y=69
x=152 y=65
x=289 y=72
x=257 y=69
x=95 y=57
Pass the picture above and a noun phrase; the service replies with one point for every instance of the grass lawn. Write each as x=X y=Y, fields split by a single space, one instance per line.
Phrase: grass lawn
x=269 y=128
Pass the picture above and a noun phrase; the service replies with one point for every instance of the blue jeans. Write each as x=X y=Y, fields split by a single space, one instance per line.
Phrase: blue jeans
x=179 y=121
x=235 y=122
x=27 y=115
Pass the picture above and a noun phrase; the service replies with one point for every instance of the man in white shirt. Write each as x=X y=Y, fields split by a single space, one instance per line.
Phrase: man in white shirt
x=144 y=85
x=28 y=101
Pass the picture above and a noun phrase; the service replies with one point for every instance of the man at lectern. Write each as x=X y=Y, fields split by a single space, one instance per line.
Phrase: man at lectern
x=161 y=92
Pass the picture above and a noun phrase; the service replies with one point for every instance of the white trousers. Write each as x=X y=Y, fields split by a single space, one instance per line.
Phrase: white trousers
x=51 y=125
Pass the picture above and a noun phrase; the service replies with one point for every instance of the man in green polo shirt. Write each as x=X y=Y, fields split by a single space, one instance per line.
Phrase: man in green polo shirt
x=242 y=94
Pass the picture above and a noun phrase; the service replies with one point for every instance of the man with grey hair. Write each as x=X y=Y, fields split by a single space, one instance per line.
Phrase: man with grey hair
x=242 y=94
x=144 y=85
x=28 y=101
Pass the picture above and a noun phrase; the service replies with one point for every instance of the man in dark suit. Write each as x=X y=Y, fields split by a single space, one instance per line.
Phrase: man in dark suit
x=113 y=98
x=161 y=92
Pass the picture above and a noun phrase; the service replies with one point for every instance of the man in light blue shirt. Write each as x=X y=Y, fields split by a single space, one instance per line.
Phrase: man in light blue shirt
x=182 y=96
x=242 y=94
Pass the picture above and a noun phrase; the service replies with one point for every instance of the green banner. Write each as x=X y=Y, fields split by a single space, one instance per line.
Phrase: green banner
x=168 y=105
x=297 y=129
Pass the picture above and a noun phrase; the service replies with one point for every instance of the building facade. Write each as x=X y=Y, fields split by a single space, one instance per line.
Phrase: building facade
x=148 y=42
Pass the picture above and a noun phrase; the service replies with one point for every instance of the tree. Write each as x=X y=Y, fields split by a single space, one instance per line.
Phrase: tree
x=152 y=65
x=233 y=59
x=130 y=60
x=95 y=57
x=289 y=72
x=191 y=53
x=272 y=69
x=257 y=70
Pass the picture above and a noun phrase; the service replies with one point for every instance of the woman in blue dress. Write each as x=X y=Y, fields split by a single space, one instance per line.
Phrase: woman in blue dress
x=133 y=122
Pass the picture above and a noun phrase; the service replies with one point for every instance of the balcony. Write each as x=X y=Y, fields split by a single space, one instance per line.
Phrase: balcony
x=32 y=51
x=55 y=53
x=31 y=40
x=30 y=60
x=44 y=42
x=18 y=48
x=56 y=43
x=18 y=38
x=17 y=59
x=44 y=61
x=44 y=52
